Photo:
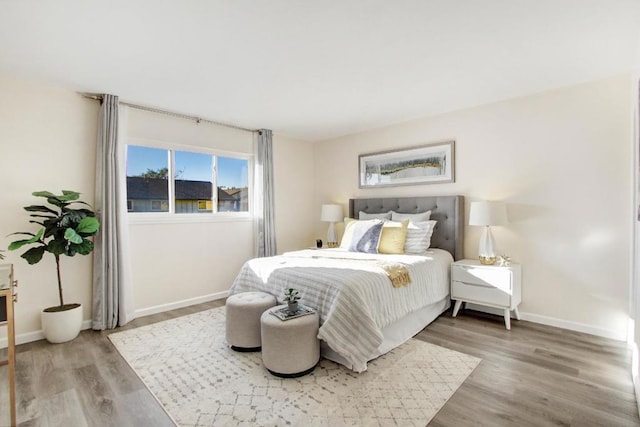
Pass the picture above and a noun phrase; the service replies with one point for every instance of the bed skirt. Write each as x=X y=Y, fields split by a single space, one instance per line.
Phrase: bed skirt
x=398 y=332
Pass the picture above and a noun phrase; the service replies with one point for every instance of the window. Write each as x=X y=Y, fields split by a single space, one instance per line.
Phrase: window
x=178 y=181
x=147 y=183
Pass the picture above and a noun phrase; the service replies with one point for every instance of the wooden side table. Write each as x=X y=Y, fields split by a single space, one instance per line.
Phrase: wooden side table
x=7 y=298
x=489 y=285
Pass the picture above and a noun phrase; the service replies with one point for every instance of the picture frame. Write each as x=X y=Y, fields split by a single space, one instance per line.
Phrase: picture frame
x=426 y=164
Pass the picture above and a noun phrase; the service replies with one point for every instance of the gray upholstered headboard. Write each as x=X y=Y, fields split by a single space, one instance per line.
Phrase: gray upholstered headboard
x=447 y=210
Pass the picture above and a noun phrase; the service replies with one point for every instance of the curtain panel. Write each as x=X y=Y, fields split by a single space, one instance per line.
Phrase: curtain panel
x=112 y=292
x=264 y=210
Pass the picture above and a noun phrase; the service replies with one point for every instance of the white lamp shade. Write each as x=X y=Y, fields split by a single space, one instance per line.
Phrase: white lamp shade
x=488 y=213
x=331 y=213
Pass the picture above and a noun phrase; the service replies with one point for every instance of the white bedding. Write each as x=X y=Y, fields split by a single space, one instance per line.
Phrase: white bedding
x=353 y=295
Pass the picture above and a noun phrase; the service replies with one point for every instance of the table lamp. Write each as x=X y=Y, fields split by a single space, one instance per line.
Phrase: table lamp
x=487 y=214
x=331 y=214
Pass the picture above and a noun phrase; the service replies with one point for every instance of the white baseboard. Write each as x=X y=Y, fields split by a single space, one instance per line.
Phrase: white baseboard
x=179 y=304
x=558 y=323
x=575 y=326
x=536 y=318
x=35 y=335
x=634 y=373
x=86 y=324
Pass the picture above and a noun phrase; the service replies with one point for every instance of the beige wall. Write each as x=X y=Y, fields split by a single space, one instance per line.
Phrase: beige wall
x=561 y=161
x=48 y=138
x=296 y=215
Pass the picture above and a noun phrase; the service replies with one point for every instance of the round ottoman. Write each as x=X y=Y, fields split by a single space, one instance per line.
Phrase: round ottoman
x=243 y=313
x=290 y=348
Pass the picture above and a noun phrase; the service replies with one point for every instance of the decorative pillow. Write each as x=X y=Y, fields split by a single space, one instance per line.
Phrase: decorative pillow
x=364 y=215
x=419 y=217
x=393 y=237
x=362 y=236
x=419 y=237
x=348 y=233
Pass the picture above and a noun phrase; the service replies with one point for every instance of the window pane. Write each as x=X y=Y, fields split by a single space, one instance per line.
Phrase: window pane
x=233 y=190
x=147 y=184
x=193 y=182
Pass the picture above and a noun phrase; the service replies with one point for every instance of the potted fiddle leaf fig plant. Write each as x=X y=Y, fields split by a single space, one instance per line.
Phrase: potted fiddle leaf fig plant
x=66 y=225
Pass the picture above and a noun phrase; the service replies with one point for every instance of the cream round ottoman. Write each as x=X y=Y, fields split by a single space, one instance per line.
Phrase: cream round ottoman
x=243 y=313
x=290 y=348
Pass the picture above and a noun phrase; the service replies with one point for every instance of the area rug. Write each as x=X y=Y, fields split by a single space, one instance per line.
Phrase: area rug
x=187 y=365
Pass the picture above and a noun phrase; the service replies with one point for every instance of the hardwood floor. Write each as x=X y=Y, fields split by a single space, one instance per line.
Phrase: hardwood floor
x=533 y=375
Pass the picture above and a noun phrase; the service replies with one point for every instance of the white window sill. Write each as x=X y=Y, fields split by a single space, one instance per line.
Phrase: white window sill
x=172 y=218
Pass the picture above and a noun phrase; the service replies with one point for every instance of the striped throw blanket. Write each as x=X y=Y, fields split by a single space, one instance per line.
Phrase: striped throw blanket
x=351 y=291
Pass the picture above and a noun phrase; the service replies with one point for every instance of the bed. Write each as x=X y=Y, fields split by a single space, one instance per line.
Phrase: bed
x=362 y=315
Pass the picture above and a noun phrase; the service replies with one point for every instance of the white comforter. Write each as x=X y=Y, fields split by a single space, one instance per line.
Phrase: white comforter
x=353 y=295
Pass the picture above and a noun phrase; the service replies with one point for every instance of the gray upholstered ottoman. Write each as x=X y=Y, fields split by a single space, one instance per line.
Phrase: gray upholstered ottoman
x=290 y=348
x=243 y=313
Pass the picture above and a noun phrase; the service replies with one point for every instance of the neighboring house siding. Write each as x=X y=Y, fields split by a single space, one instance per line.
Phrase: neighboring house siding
x=191 y=206
x=149 y=194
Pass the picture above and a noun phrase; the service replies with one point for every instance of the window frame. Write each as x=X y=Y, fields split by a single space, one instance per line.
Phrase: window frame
x=172 y=216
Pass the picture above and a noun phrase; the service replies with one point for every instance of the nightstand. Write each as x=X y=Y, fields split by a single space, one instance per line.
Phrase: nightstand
x=489 y=285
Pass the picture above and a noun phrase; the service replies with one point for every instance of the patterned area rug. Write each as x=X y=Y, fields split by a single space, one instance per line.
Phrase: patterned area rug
x=186 y=364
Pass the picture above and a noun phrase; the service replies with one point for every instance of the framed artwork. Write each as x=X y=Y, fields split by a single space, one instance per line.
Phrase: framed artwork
x=426 y=164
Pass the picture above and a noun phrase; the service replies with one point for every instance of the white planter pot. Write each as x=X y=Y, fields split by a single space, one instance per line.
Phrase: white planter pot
x=62 y=326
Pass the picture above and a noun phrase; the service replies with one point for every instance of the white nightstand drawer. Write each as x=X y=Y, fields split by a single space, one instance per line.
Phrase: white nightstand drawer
x=495 y=277
x=480 y=293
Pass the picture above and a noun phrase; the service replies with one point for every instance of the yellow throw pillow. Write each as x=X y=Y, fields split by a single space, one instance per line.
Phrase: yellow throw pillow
x=394 y=234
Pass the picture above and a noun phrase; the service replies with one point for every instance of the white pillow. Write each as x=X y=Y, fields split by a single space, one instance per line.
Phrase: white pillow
x=418 y=217
x=364 y=215
x=419 y=237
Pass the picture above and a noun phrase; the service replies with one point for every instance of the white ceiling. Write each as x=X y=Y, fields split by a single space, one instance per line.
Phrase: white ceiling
x=317 y=69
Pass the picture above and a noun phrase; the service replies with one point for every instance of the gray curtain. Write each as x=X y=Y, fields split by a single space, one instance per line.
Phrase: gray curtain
x=111 y=286
x=265 y=229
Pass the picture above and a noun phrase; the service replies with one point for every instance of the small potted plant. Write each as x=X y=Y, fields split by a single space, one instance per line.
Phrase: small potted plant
x=291 y=297
x=65 y=229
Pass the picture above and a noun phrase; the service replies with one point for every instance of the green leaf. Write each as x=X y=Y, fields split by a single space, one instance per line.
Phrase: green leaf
x=42 y=216
x=20 y=243
x=40 y=208
x=57 y=247
x=34 y=255
x=83 y=248
x=57 y=202
x=71 y=235
x=88 y=225
x=43 y=194
x=71 y=218
x=69 y=195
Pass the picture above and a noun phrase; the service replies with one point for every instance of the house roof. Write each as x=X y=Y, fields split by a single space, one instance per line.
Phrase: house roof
x=139 y=188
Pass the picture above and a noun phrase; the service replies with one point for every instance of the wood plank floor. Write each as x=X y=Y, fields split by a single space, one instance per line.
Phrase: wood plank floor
x=533 y=375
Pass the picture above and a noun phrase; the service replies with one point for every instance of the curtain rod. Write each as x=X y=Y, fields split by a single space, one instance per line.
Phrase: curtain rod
x=171 y=113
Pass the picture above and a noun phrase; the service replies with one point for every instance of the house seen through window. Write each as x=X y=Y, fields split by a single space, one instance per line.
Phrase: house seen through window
x=165 y=180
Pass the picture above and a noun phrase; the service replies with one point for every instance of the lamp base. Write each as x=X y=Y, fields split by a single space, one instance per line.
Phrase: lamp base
x=486 y=254
x=487 y=260
x=332 y=238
